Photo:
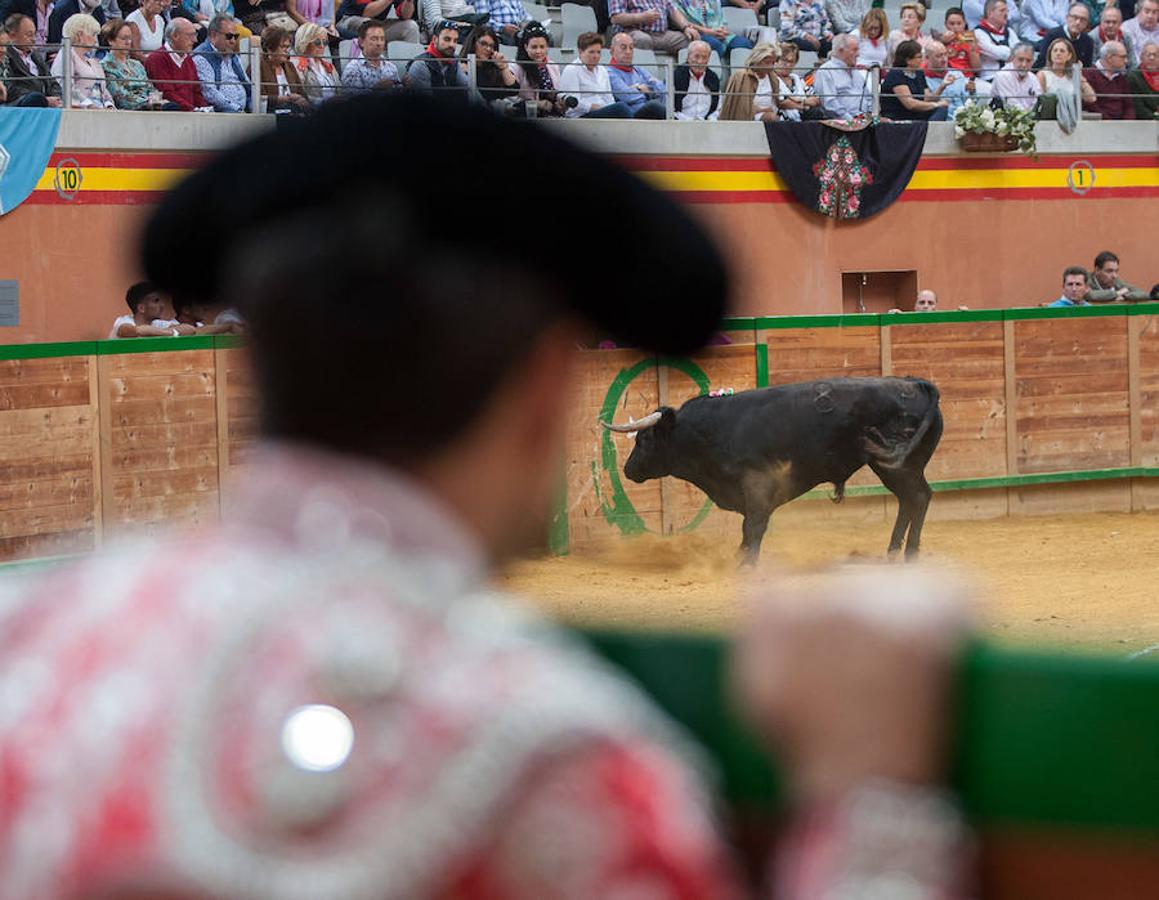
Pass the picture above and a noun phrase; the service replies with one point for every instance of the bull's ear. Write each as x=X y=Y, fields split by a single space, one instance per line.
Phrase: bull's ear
x=667 y=417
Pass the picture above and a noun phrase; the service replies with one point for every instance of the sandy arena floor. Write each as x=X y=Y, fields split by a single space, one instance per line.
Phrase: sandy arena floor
x=1083 y=581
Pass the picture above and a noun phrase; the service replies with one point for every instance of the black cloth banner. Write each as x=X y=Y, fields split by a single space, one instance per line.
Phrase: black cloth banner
x=846 y=172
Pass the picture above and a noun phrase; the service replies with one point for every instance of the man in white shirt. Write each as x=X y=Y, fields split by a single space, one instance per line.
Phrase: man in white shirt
x=842 y=87
x=697 y=86
x=995 y=37
x=144 y=319
x=587 y=81
x=1143 y=29
x=1016 y=85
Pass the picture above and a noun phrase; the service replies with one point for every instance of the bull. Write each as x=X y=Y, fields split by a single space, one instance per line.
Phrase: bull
x=753 y=451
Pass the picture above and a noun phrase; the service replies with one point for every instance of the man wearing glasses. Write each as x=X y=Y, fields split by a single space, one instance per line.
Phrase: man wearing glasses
x=1109 y=79
x=223 y=80
x=1074 y=29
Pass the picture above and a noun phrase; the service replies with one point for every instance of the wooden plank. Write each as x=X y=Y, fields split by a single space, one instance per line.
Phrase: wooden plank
x=1068 y=499
x=172 y=362
x=35 y=396
x=1135 y=326
x=96 y=468
x=105 y=444
x=1010 y=394
x=222 y=399
x=47 y=371
x=38 y=546
x=45 y=520
x=75 y=489
x=886 y=351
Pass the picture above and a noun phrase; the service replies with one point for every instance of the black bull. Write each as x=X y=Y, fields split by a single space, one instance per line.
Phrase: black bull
x=756 y=450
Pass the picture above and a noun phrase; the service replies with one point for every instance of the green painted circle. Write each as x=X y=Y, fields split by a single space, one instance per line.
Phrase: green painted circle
x=620 y=512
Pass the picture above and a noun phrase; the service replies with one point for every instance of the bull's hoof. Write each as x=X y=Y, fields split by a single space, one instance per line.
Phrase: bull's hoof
x=891 y=553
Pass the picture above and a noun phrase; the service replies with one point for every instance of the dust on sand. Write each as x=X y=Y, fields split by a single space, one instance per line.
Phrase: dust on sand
x=1086 y=581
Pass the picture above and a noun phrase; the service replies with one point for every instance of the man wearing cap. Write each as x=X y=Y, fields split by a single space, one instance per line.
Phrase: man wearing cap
x=342 y=706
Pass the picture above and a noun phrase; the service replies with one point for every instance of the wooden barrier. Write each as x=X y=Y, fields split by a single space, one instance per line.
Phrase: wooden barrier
x=1046 y=410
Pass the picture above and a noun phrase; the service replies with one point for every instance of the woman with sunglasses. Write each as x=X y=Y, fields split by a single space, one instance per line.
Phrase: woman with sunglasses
x=538 y=78
x=319 y=77
x=493 y=73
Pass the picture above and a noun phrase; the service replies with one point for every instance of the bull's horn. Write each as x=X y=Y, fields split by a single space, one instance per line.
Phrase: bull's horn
x=647 y=422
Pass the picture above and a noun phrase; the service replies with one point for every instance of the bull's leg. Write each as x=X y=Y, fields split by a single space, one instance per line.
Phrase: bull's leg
x=756 y=522
x=900 y=484
x=920 y=504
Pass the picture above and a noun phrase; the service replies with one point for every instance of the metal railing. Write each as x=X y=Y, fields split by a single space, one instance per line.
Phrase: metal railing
x=870 y=99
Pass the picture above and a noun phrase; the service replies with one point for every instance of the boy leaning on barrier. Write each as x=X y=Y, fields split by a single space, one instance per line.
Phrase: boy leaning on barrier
x=146 y=316
x=343 y=705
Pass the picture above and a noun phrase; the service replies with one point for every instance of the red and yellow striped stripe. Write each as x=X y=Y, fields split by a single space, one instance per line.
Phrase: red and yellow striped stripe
x=135 y=178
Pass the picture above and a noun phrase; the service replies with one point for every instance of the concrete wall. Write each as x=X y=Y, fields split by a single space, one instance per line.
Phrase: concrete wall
x=983 y=239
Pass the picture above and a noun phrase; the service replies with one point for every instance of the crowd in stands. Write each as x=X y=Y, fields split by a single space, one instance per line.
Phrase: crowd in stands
x=1057 y=57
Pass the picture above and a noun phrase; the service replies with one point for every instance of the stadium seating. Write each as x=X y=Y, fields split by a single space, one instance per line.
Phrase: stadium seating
x=403 y=50
x=576 y=20
x=738 y=20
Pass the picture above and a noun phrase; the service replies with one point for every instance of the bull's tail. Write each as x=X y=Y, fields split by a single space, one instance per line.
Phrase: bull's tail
x=892 y=454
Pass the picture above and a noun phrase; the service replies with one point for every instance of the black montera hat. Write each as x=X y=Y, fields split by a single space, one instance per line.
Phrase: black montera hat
x=621 y=254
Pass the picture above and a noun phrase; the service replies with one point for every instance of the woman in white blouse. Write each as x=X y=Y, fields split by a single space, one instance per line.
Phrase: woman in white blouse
x=89 y=90
x=148 y=27
x=873 y=46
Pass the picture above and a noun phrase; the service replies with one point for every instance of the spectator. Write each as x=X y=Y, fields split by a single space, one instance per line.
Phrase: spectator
x=806 y=24
x=841 y=87
x=961 y=44
x=1078 y=21
x=88 y=78
x=1143 y=29
x=370 y=71
x=494 y=75
x=795 y=99
x=351 y=14
x=647 y=23
x=1154 y=292
x=1074 y=288
x=199 y=12
x=1105 y=284
x=437 y=69
x=144 y=319
x=996 y=39
x=1039 y=17
x=507 y=17
x=223 y=81
x=28 y=78
x=172 y=69
x=1057 y=81
x=846 y=16
x=912 y=16
x=946 y=83
x=1111 y=29
x=751 y=94
x=641 y=91
x=697 y=87
x=873 y=40
x=431 y=12
x=125 y=77
x=1016 y=85
x=707 y=18
x=1108 y=80
x=587 y=81
x=1144 y=82
x=975 y=11
x=320 y=80
x=148 y=27
x=66 y=9
x=927 y=301
x=280 y=85
x=315 y=12
x=538 y=76
x=214 y=316
x=905 y=95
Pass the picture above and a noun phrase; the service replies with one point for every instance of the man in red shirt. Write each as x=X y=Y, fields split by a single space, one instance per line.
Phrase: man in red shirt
x=171 y=68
